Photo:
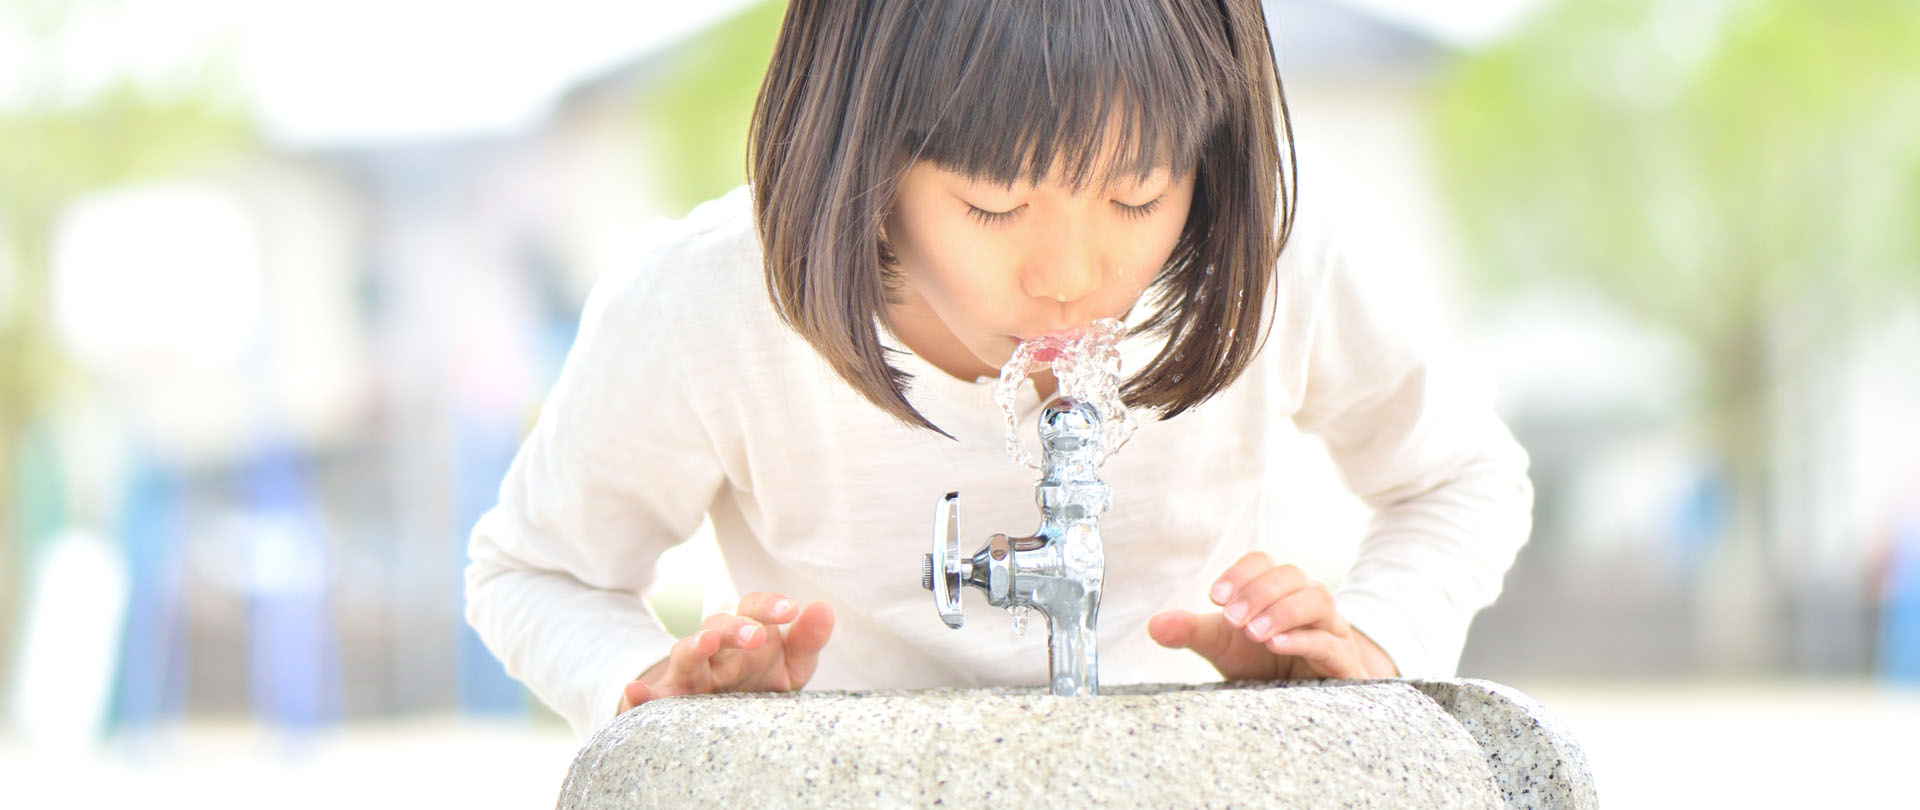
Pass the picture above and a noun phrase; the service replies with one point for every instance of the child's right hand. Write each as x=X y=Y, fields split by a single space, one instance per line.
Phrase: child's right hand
x=740 y=652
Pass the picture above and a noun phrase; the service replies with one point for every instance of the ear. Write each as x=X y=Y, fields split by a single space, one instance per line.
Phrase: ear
x=883 y=249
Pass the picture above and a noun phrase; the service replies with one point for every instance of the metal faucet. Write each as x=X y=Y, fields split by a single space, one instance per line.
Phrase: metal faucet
x=1057 y=571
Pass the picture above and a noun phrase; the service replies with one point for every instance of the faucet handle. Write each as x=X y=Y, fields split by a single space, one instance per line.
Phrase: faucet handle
x=944 y=570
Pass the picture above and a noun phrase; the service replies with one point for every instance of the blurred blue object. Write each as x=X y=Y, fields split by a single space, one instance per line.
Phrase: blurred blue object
x=1900 y=619
x=483 y=448
x=291 y=647
x=151 y=688
x=1697 y=523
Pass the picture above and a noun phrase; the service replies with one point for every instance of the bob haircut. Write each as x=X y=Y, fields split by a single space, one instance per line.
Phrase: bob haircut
x=858 y=90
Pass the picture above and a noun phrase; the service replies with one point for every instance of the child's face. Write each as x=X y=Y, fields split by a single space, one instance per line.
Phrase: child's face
x=987 y=266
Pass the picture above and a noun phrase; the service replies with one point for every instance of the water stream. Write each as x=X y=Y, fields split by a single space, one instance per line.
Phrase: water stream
x=1087 y=366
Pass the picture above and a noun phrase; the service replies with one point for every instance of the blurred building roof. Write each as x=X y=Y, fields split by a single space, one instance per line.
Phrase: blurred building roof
x=1314 y=39
x=1318 y=39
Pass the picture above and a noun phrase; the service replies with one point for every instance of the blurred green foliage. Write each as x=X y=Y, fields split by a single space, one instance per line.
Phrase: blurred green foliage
x=1704 y=162
x=61 y=144
x=1745 y=173
x=694 y=115
x=58 y=144
x=52 y=157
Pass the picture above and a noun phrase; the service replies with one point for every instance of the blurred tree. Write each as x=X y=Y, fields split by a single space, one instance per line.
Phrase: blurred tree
x=1744 y=172
x=62 y=136
x=694 y=115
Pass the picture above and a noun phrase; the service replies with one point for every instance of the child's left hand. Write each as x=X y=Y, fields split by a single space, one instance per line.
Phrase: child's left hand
x=1277 y=625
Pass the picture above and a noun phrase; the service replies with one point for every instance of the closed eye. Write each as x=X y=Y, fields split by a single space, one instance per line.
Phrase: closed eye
x=1141 y=211
x=986 y=217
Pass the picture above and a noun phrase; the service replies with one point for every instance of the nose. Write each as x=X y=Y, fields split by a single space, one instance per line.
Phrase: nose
x=1065 y=268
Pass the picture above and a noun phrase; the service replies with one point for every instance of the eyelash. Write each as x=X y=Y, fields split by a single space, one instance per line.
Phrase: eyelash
x=986 y=217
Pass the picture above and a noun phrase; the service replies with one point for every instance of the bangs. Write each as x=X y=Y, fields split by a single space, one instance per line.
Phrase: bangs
x=1098 y=90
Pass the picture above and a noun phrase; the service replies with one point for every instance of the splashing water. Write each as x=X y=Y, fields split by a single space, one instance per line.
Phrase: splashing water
x=1087 y=367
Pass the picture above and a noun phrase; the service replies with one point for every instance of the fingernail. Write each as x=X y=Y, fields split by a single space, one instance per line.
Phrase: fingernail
x=1235 y=612
x=1259 y=626
x=1221 y=591
x=1277 y=641
x=745 y=634
x=781 y=607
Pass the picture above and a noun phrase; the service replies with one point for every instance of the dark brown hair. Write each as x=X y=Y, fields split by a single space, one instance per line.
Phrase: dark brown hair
x=1000 y=89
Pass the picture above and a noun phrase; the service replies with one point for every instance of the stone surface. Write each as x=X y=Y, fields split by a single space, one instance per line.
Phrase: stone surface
x=1380 y=744
x=1536 y=763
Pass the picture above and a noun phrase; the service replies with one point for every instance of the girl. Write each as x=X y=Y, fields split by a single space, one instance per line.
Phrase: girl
x=809 y=363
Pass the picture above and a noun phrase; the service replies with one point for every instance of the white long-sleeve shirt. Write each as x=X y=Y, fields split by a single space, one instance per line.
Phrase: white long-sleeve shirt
x=685 y=397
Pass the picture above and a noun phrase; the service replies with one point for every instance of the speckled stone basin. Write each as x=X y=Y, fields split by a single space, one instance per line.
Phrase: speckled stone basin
x=1371 y=744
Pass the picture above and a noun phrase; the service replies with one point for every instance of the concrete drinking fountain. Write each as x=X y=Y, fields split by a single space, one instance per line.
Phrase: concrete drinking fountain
x=1358 y=744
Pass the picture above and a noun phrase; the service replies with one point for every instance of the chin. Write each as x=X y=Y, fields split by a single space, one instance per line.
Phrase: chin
x=996 y=361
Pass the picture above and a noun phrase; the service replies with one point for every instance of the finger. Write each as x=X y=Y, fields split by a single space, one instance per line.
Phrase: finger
x=690 y=666
x=1206 y=634
x=1310 y=607
x=635 y=694
x=1262 y=591
x=1172 y=629
x=1239 y=574
x=805 y=639
x=767 y=607
x=736 y=632
x=1327 y=655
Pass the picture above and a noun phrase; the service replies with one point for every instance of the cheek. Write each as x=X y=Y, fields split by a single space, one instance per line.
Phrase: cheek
x=1145 y=250
x=954 y=265
x=946 y=282
x=1166 y=234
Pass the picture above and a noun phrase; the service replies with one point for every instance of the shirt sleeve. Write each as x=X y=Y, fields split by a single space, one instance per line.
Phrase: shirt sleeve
x=616 y=470
x=1415 y=436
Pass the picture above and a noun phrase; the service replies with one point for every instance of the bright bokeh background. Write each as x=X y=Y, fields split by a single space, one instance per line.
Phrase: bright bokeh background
x=281 y=286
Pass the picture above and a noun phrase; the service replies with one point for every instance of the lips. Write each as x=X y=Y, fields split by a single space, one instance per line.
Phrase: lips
x=1048 y=345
